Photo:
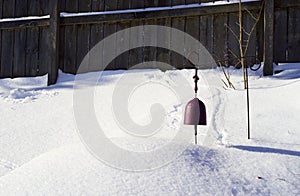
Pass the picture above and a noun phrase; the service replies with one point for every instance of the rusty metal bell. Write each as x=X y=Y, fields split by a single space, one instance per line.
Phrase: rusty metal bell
x=195 y=113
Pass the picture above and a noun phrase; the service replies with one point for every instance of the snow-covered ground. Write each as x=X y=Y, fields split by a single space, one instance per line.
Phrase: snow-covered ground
x=41 y=152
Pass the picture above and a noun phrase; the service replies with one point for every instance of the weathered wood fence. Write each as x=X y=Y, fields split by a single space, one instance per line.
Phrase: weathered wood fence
x=36 y=46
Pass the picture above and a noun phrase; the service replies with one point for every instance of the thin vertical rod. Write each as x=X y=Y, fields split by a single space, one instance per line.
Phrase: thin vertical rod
x=248 y=108
x=195 y=127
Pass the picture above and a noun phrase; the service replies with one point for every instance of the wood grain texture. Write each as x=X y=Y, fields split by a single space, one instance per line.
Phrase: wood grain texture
x=233 y=42
x=164 y=55
x=293 y=35
x=150 y=37
x=136 y=55
x=249 y=23
x=280 y=35
x=219 y=38
x=122 y=40
x=177 y=60
x=7 y=42
x=193 y=29
x=70 y=42
x=20 y=41
x=109 y=29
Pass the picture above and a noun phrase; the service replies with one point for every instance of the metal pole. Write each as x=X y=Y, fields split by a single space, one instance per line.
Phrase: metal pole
x=248 y=111
x=195 y=127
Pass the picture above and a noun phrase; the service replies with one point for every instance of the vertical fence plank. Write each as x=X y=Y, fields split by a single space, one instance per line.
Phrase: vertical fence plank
x=122 y=60
x=1 y=5
x=260 y=38
x=178 y=2
x=163 y=55
x=95 y=37
x=44 y=7
x=53 y=42
x=293 y=35
x=248 y=23
x=44 y=57
x=111 y=5
x=85 y=6
x=123 y=5
x=62 y=8
x=280 y=35
x=62 y=5
x=219 y=41
x=70 y=49
x=110 y=28
x=206 y=32
x=136 y=55
x=83 y=34
x=32 y=43
x=7 y=41
x=122 y=41
x=192 y=1
x=32 y=52
x=269 y=36
x=192 y=28
x=233 y=42
x=151 y=3
x=164 y=3
x=70 y=40
x=20 y=41
x=135 y=4
x=150 y=37
x=177 y=60
x=97 y=5
x=7 y=53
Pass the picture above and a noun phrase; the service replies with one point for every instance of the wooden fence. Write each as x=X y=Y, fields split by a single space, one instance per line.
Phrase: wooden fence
x=36 y=46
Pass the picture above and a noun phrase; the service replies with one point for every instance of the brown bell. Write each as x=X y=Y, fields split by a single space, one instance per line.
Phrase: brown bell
x=195 y=113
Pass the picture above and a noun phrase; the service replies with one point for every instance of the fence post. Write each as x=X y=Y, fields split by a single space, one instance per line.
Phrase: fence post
x=53 y=41
x=269 y=36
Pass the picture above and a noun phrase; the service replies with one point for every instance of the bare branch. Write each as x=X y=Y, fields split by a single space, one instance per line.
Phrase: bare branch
x=252 y=29
x=252 y=16
x=227 y=77
x=224 y=83
x=247 y=33
x=231 y=52
x=231 y=30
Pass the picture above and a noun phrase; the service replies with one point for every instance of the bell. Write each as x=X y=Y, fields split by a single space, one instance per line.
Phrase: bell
x=195 y=113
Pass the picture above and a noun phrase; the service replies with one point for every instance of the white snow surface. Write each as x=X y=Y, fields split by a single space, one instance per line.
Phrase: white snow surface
x=41 y=153
x=151 y=9
x=25 y=18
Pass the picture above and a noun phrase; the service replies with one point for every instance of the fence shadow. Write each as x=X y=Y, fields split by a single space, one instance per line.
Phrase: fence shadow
x=268 y=150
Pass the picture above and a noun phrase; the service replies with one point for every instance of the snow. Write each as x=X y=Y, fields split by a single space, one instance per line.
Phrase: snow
x=41 y=152
x=151 y=9
x=24 y=18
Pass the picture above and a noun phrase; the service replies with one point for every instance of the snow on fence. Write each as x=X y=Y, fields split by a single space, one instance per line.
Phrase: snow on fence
x=58 y=35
